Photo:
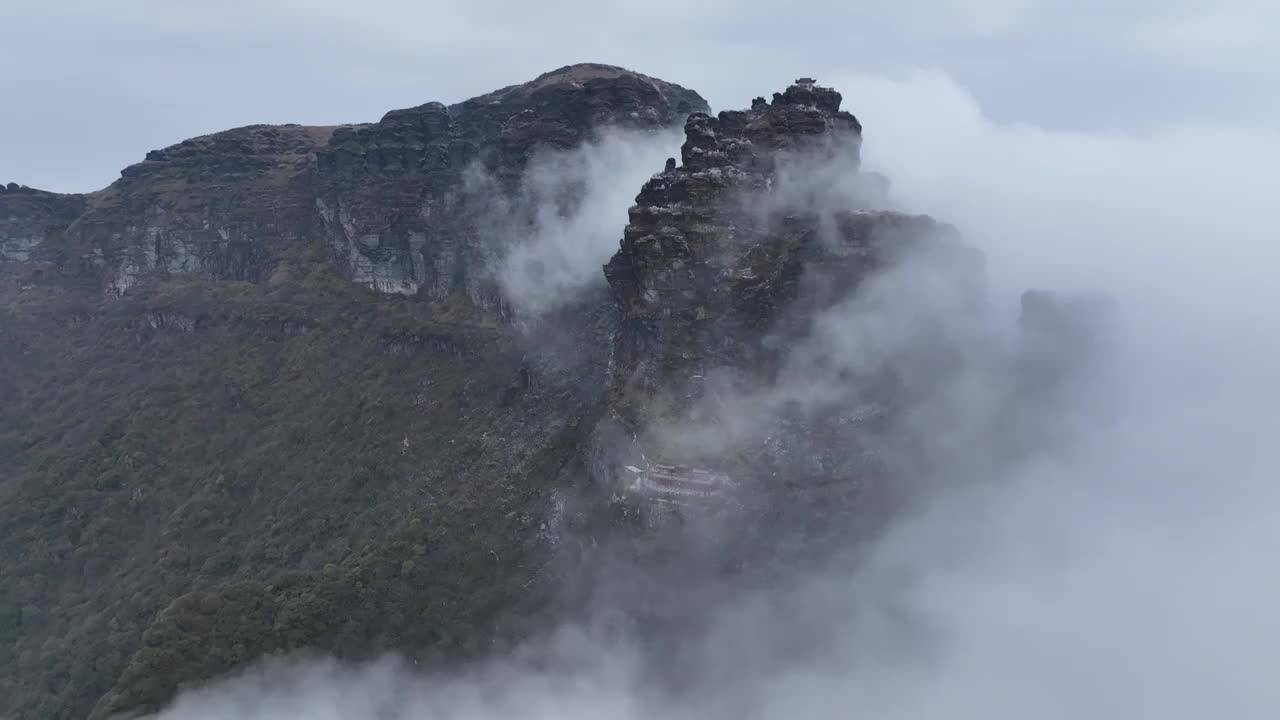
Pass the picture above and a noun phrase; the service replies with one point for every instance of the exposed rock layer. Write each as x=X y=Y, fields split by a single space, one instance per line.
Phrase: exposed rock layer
x=389 y=199
x=29 y=218
x=392 y=197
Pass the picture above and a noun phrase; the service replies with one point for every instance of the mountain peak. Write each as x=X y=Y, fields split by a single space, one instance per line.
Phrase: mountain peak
x=597 y=90
x=800 y=118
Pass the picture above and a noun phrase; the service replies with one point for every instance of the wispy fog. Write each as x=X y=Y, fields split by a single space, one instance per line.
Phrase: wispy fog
x=564 y=222
x=1113 y=564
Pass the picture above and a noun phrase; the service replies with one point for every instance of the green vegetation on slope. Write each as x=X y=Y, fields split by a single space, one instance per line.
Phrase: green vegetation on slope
x=204 y=472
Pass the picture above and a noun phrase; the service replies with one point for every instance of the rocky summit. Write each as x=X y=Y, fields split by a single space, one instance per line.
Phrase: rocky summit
x=720 y=246
x=263 y=393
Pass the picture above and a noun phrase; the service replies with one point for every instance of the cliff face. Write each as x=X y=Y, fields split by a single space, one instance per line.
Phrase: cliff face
x=216 y=206
x=29 y=218
x=719 y=246
x=393 y=199
x=791 y=365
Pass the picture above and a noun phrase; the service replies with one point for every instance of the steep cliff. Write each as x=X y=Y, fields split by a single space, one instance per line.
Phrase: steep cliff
x=721 y=245
x=216 y=206
x=784 y=371
x=729 y=258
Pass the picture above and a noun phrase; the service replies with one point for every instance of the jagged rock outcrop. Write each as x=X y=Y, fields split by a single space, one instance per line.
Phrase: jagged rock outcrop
x=783 y=334
x=727 y=256
x=732 y=276
x=393 y=199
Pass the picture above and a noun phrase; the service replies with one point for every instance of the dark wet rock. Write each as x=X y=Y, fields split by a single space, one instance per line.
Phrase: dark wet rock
x=728 y=260
x=392 y=197
x=719 y=250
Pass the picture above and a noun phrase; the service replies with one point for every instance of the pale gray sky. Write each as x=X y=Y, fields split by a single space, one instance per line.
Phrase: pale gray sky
x=90 y=86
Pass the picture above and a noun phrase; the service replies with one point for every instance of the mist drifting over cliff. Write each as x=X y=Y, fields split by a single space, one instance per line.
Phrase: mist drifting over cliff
x=1115 y=567
x=566 y=215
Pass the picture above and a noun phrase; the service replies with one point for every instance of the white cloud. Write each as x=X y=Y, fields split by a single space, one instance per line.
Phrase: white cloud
x=567 y=218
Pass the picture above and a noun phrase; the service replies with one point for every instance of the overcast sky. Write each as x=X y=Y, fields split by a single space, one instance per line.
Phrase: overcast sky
x=90 y=86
